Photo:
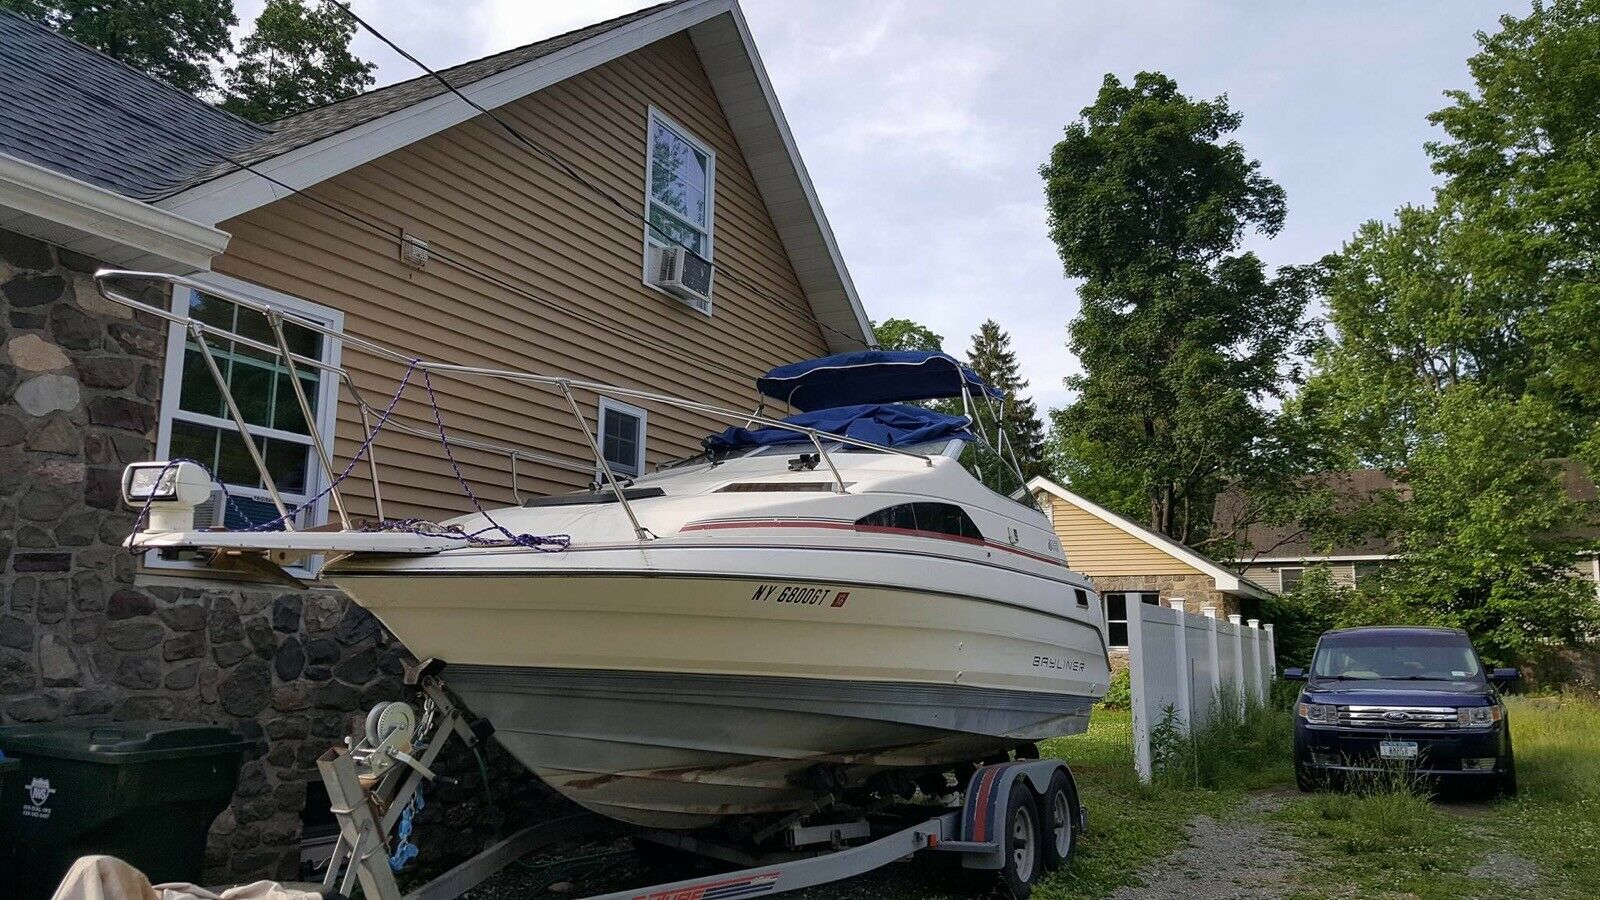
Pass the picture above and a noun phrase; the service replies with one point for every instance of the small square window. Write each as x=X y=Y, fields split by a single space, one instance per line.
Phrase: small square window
x=622 y=438
x=1289 y=578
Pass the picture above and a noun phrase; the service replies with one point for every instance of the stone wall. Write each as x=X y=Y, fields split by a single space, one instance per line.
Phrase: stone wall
x=1198 y=591
x=83 y=634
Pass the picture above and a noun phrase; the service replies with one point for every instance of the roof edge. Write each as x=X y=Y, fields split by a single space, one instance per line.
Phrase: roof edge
x=806 y=187
x=1226 y=581
x=96 y=212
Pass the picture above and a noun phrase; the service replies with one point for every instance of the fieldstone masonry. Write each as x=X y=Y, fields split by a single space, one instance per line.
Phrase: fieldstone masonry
x=82 y=637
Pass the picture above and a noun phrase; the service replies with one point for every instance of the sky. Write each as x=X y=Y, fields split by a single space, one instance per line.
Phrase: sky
x=923 y=124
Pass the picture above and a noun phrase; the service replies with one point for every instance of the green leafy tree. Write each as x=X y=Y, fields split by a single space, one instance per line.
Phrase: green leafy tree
x=904 y=334
x=1522 y=163
x=1463 y=354
x=177 y=41
x=297 y=57
x=1183 y=339
x=995 y=362
x=1488 y=539
x=1091 y=472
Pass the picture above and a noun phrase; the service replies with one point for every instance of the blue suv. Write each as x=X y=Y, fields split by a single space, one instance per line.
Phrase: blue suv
x=1418 y=699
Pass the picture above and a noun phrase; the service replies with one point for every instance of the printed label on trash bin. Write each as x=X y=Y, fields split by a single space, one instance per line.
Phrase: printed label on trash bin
x=39 y=791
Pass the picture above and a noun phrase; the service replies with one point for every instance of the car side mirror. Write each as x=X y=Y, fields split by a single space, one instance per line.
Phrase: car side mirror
x=1505 y=676
x=1293 y=673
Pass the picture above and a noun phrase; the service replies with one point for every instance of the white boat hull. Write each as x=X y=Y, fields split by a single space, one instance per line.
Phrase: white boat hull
x=670 y=698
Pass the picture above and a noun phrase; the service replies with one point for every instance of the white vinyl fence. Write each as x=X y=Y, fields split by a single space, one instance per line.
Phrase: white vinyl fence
x=1189 y=663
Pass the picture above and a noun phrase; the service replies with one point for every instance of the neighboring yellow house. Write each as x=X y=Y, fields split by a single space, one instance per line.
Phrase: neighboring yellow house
x=1130 y=563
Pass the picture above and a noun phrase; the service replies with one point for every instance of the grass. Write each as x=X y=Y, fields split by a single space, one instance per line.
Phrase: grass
x=1385 y=838
x=1131 y=822
x=1388 y=838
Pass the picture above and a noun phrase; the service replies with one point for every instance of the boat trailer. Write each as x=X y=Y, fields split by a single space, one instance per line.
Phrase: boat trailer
x=1019 y=819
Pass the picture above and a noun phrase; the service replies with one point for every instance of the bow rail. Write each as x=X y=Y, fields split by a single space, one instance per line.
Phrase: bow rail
x=111 y=284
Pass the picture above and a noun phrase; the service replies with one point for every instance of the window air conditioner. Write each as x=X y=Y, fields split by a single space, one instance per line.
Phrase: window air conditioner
x=686 y=276
x=212 y=513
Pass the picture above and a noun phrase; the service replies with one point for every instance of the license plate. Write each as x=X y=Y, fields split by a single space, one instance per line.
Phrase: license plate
x=1397 y=749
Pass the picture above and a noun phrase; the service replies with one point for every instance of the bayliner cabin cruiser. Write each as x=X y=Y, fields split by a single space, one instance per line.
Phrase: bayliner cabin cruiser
x=816 y=605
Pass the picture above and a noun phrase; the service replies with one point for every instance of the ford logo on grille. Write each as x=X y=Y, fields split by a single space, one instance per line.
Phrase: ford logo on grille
x=1397 y=716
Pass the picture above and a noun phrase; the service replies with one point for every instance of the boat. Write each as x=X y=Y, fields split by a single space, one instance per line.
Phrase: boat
x=817 y=605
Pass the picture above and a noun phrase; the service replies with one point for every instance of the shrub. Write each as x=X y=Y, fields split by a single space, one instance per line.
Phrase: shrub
x=1120 y=694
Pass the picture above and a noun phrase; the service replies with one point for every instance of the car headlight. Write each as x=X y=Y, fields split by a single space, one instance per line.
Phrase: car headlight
x=1479 y=715
x=1319 y=713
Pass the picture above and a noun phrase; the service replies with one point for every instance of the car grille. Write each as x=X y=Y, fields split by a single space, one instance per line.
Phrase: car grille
x=1398 y=716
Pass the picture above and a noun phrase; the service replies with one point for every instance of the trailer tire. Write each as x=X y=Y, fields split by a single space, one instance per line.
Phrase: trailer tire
x=1058 y=810
x=1022 y=840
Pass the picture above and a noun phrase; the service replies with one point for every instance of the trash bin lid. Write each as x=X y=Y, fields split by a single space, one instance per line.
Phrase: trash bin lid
x=119 y=742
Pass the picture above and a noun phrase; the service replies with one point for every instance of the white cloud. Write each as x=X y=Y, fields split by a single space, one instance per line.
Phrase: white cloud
x=924 y=123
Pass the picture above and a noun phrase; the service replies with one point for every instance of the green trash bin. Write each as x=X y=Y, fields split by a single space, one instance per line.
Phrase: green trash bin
x=144 y=792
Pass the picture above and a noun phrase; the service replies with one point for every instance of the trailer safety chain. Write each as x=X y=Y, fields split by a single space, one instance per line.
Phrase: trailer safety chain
x=404 y=850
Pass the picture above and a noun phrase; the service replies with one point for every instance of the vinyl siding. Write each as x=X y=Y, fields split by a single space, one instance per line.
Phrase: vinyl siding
x=1343 y=574
x=1099 y=549
x=477 y=196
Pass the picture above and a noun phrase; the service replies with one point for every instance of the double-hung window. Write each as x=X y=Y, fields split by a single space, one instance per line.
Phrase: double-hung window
x=195 y=420
x=622 y=438
x=680 y=175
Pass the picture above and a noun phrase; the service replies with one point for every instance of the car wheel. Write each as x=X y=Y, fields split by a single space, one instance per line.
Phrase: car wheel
x=1304 y=778
x=1022 y=840
x=1508 y=779
x=1059 y=813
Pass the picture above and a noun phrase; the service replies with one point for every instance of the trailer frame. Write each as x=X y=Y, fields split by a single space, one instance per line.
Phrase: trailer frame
x=983 y=830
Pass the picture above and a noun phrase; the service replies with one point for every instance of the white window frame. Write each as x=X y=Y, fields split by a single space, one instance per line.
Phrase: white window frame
x=1105 y=607
x=327 y=403
x=653 y=117
x=607 y=404
x=1283 y=569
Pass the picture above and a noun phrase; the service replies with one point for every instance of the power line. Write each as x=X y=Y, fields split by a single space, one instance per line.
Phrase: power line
x=571 y=171
x=395 y=232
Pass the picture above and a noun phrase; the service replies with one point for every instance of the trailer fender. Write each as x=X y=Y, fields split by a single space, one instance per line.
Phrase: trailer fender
x=985 y=805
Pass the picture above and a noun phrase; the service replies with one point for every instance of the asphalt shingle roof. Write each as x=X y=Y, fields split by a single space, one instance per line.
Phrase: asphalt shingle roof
x=82 y=113
x=312 y=125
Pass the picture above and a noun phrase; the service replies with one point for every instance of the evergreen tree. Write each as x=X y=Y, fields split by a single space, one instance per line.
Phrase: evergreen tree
x=992 y=358
x=177 y=41
x=298 y=57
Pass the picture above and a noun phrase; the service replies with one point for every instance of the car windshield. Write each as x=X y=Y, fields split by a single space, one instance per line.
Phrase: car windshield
x=1404 y=656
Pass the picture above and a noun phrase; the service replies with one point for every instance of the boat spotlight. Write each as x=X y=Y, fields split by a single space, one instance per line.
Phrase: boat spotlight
x=171 y=490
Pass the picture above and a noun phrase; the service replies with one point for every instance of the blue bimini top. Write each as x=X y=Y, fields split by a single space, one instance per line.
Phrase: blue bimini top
x=885 y=424
x=870 y=377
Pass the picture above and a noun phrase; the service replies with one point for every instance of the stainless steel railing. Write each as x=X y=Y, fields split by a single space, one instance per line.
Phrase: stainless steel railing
x=110 y=283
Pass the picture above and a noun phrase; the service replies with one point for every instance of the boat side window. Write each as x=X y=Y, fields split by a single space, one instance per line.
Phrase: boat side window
x=940 y=518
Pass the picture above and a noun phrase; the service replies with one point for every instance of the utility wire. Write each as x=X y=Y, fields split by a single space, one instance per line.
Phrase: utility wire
x=571 y=171
x=395 y=232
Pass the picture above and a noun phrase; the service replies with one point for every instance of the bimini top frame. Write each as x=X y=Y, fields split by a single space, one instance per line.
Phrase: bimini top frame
x=112 y=284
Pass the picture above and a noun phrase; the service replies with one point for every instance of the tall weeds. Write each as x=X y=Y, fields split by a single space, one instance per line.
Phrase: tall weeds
x=1237 y=746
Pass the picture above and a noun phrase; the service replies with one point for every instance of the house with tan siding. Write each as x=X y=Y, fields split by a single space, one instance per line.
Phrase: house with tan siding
x=402 y=216
x=1278 y=555
x=1130 y=563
